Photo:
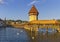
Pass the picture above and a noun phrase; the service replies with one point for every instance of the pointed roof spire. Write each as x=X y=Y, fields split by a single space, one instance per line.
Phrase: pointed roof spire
x=33 y=10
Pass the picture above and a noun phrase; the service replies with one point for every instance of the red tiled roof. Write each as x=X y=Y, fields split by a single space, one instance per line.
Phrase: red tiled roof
x=33 y=10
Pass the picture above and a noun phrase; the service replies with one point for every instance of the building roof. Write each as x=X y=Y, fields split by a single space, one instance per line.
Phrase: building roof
x=44 y=22
x=33 y=10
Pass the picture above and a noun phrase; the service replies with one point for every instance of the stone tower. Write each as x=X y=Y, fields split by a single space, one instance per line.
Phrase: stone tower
x=33 y=14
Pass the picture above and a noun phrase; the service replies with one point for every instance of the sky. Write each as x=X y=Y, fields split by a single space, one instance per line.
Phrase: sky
x=18 y=9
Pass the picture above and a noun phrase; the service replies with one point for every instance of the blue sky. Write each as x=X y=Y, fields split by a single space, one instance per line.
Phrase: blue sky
x=18 y=9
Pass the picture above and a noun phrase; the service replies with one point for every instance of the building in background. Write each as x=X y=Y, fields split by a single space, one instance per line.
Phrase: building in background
x=2 y=23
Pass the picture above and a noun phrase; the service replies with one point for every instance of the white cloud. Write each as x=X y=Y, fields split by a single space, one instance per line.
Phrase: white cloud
x=2 y=2
x=33 y=2
x=36 y=2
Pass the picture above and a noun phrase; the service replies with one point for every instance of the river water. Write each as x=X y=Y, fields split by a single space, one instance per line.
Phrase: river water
x=10 y=34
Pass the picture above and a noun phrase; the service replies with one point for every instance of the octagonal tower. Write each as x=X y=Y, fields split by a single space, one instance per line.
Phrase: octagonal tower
x=33 y=14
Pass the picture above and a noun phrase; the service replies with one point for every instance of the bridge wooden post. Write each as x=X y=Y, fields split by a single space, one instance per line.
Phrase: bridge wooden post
x=36 y=30
x=58 y=28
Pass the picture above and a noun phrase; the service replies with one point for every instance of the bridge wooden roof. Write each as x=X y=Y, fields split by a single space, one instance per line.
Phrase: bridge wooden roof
x=44 y=22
